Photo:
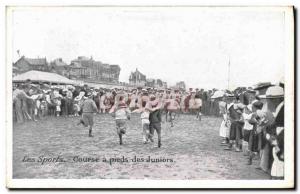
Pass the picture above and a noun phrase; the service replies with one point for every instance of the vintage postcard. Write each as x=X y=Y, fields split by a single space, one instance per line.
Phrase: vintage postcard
x=135 y=96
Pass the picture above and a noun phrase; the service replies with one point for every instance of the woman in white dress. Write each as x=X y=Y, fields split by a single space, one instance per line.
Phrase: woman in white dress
x=224 y=128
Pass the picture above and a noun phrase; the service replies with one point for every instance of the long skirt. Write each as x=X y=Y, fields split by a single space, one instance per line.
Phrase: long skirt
x=265 y=158
x=18 y=111
x=277 y=169
x=224 y=129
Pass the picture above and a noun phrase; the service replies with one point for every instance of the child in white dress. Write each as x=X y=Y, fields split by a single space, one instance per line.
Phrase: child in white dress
x=277 y=170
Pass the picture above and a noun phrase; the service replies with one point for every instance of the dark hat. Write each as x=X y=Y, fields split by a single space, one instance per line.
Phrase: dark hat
x=258 y=105
x=250 y=90
x=262 y=85
x=229 y=95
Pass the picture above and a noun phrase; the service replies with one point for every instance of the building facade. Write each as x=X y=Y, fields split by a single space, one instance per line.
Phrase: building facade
x=60 y=67
x=156 y=83
x=25 y=64
x=136 y=78
x=91 y=70
x=181 y=85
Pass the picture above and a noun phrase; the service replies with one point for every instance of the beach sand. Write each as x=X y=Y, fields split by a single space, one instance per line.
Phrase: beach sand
x=190 y=150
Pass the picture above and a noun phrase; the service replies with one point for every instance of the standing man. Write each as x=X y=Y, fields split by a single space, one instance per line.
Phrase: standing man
x=88 y=108
x=69 y=101
x=19 y=99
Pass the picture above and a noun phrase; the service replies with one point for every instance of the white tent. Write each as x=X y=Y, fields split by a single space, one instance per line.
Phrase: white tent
x=41 y=76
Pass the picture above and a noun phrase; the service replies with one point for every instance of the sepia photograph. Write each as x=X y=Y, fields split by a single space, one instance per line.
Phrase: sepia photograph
x=150 y=97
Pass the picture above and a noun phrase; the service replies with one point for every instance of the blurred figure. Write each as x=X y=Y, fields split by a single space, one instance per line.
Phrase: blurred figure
x=88 y=109
x=121 y=113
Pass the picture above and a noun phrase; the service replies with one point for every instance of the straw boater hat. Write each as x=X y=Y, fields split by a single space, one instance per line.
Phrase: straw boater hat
x=273 y=92
x=78 y=98
x=218 y=94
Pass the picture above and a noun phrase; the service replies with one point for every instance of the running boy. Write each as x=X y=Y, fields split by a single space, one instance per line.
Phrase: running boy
x=88 y=108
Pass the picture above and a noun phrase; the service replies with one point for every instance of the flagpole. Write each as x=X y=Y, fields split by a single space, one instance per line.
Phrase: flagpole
x=228 y=73
x=136 y=74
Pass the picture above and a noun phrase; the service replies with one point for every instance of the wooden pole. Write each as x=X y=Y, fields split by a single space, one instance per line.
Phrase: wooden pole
x=228 y=74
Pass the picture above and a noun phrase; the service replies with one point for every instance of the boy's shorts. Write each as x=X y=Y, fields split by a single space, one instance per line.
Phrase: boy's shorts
x=88 y=119
x=146 y=126
x=145 y=121
x=121 y=126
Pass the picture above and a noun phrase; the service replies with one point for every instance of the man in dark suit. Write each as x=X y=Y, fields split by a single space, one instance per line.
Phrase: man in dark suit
x=155 y=118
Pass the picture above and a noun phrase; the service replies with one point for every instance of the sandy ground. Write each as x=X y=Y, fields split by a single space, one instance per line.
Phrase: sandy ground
x=190 y=150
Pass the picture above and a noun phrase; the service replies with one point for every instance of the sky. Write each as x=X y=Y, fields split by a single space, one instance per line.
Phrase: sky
x=174 y=44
